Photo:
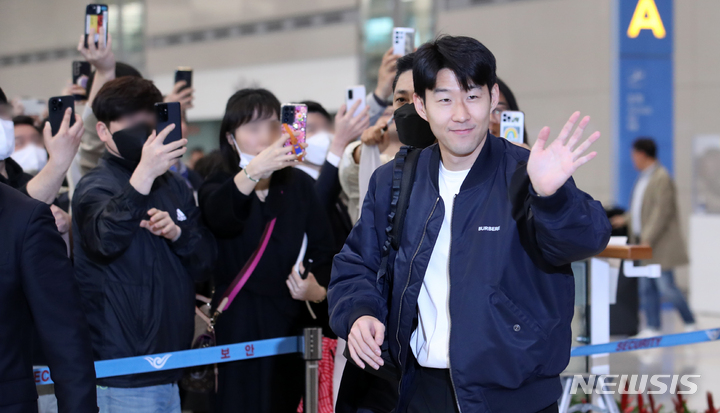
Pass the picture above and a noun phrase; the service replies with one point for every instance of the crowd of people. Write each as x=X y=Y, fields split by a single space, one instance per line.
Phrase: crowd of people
x=144 y=233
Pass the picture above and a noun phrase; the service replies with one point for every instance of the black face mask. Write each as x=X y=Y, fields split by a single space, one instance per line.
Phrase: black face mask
x=130 y=141
x=412 y=129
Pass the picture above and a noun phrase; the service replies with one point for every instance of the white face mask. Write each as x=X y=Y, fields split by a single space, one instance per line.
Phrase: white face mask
x=244 y=158
x=318 y=146
x=7 y=138
x=31 y=158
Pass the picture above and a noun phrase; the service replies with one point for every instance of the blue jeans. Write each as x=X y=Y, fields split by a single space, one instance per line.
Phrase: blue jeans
x=652 y=290
x=164 y=398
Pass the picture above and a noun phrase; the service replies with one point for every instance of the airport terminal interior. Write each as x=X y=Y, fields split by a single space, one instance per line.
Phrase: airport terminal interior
x=647 y=72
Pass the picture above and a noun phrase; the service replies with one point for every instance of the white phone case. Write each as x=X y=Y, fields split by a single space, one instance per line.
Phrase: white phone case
x=512 y=126
x=403 y=40
x=353 y=94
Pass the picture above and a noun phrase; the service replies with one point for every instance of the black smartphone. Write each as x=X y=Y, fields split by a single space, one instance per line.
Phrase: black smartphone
x=166 y=114
x=184 y=73
x=96 y=19
x=56 y=108
x=80 y=75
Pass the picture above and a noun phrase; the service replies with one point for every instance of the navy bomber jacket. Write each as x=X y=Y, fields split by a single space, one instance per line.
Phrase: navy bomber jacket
x=511 y=285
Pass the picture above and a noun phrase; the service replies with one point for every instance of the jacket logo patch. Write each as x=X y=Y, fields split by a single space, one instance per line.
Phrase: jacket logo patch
x=158 y=362
x=489 y=229
x=180 y=215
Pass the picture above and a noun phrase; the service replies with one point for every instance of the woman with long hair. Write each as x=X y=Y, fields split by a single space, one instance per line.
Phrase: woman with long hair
x=255 y=197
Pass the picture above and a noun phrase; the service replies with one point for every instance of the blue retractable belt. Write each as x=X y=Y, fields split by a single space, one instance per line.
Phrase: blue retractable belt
x=188 y=358
x=287 y=345
x=633 y=344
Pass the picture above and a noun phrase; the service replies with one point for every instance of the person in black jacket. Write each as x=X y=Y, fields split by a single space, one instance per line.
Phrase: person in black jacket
x=481 y=290
x=255 y=184
x=139 y=245
x=39 y=292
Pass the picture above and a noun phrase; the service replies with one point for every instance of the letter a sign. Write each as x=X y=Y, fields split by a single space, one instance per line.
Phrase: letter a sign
x=646 y=17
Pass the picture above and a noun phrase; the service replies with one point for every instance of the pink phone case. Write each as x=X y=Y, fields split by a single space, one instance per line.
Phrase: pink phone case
x=294 y=119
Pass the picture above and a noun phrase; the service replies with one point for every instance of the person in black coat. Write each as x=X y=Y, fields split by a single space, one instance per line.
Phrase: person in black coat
x=255 y=184
x=139 y=246
x=37 y=290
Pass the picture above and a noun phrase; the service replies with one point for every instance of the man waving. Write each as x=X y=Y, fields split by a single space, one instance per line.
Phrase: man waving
x=482 y=292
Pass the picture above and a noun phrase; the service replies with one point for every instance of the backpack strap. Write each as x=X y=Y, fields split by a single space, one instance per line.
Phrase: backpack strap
x=404 y=167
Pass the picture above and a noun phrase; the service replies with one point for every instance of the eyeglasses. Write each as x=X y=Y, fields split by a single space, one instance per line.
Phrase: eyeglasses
x=500 y=108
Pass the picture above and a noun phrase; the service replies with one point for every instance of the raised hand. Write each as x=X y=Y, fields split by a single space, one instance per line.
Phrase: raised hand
x=156 y=159
x=550 y=167
x=100 y=56
x=386 y=74
x=183 y=96
x=348 y=127
x=64 y=145
x=275 y=157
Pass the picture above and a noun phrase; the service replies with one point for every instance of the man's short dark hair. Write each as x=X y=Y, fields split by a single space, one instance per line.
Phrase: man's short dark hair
x=3 y=98
x=314 y=107
x=125 y=96
x=403 y=64
x=647 y=146
x=26 y=120
x=472 y=63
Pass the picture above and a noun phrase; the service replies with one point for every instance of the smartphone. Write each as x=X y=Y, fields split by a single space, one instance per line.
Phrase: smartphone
x=80 y=75
x=96 y=19
x=353 y=94
x=294 y=119
x=184 y=73
x=33 y=107
x=166 y=114
x=512 y=126
x=56 y=111
x=403 y=40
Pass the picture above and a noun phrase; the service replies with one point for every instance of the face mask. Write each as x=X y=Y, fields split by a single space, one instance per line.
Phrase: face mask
x=130 y=141
x=317 y=149
x=244 y=158
x=412 y=129
x=7 y=138
x=31 y=158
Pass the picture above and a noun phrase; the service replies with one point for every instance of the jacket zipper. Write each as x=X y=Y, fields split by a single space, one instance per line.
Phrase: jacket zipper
x=407 y=284
x=452 y=382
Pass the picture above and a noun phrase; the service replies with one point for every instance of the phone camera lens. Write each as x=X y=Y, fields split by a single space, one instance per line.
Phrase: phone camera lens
x=350 y=94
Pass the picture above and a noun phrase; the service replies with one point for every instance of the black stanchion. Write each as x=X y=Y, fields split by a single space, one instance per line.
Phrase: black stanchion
x=312 y=355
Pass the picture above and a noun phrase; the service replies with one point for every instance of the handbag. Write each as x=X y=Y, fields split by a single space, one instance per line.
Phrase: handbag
x=203 y=379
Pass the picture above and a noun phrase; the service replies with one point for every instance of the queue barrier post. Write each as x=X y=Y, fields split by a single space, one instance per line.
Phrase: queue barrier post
x=312 y=354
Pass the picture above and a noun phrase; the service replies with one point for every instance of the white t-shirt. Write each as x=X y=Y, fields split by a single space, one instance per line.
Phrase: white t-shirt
x=430 y=341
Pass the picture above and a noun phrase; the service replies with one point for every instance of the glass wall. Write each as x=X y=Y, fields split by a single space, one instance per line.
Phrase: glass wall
x=126 y=19
x=377 y=19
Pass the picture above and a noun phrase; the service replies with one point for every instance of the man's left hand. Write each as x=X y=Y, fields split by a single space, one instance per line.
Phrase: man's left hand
x=161 y=224
x=550 y=167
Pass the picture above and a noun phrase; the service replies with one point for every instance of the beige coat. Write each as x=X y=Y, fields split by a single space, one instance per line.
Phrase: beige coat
x=660 y=222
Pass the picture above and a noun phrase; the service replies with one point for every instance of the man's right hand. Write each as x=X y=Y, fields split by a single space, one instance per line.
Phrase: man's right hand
x=366 y=336
x=156 y=159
